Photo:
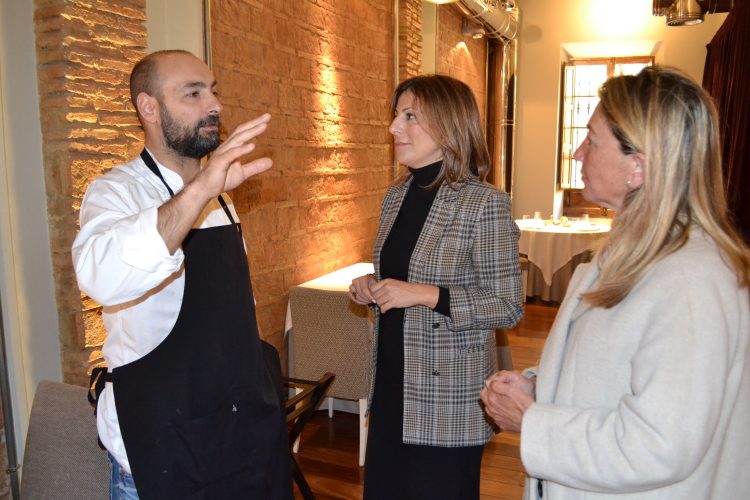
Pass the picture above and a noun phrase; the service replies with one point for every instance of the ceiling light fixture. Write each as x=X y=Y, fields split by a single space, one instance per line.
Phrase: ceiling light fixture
x=684 y=13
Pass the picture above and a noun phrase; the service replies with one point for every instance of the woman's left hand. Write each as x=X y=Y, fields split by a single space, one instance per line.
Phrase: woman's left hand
x=506 y=397
x=390 y=294
x=359 y=290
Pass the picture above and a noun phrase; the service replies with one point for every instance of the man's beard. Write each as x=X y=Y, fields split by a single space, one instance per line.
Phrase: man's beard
x=186 y=140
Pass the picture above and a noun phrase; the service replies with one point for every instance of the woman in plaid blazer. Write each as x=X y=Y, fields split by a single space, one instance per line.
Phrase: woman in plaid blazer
x=446 y=275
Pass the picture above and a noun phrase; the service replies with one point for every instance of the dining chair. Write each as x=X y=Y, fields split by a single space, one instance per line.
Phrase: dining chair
x=299 y=410
x=62 y=458
x=333 y=334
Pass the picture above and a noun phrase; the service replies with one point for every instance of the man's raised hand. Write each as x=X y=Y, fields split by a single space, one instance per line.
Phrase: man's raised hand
x=225 y=170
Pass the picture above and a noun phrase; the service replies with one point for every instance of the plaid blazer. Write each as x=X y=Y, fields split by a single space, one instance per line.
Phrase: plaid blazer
x=469 y=244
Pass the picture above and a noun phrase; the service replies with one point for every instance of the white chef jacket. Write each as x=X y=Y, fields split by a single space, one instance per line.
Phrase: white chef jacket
x=122 y=262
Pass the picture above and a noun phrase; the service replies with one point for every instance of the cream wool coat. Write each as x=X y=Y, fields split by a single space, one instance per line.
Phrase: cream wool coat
x=649 y=399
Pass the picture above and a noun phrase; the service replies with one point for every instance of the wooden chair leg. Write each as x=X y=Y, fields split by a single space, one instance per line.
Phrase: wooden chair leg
x=299 y=478
x=362 y=431
x=295 y=446
x=300 y=409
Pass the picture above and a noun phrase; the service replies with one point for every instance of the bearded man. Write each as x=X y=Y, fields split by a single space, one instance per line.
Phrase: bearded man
x=191 y=405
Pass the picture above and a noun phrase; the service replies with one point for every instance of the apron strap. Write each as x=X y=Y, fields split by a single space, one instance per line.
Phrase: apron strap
x=229 y=214
x=151 y=164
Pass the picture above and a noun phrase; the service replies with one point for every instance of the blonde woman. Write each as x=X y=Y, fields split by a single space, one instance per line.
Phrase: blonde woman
x=643 y=388
x=446 y=275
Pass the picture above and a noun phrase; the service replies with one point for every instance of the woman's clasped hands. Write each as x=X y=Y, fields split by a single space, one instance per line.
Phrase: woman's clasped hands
x=359 y=290
x=388 y=294
x=506 y=396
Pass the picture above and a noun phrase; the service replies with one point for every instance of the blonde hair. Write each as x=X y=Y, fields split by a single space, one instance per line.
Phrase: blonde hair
x=452 y=115
x=664 y=115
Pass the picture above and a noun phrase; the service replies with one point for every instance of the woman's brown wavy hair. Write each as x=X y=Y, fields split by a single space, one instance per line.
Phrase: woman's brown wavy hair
x=450 y=109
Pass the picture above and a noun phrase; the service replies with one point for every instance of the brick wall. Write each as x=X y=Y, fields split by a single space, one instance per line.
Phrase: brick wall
x=409 y=39
x=85 y=50
x=460 y=56
x=323 y=69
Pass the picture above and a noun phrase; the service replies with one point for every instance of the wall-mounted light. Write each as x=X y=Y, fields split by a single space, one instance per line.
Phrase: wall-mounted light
x=472 y=28
x=684 y=13
x=439 y=2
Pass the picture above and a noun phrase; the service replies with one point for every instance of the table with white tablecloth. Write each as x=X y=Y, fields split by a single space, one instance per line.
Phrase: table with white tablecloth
x=338 y=281
x=335 y=282
x=554 y=251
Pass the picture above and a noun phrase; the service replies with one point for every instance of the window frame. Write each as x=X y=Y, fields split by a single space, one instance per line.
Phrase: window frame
x=573 y=202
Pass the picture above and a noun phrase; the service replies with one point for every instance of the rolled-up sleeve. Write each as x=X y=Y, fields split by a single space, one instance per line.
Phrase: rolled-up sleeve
x=119 y=254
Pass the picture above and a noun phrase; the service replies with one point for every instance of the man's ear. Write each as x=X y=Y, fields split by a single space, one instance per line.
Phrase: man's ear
x=148 y=107
x=639 y=172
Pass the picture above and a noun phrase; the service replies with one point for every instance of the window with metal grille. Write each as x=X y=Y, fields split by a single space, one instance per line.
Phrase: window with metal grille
x=581 y=80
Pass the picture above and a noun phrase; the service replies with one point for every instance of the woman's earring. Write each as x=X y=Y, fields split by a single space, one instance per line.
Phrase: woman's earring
x=628 y=183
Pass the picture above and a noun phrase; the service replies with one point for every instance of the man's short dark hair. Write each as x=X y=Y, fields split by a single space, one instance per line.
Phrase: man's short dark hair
x=144 y=77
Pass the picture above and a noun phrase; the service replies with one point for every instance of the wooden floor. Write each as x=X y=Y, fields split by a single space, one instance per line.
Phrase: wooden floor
x=329 y=449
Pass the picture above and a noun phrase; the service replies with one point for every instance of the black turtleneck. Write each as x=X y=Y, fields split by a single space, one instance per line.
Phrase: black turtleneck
x=399 y=246
x=387 y=410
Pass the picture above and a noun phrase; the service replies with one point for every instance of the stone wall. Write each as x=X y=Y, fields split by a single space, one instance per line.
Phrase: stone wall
x=460 y=56
x=85 y=50
x=324 y=70
x=409 y=39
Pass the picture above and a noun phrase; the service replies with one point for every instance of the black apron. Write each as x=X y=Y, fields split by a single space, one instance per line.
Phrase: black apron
x=201 y=415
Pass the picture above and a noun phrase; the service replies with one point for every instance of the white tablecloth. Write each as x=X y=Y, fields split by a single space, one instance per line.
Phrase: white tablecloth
x=550 y=247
